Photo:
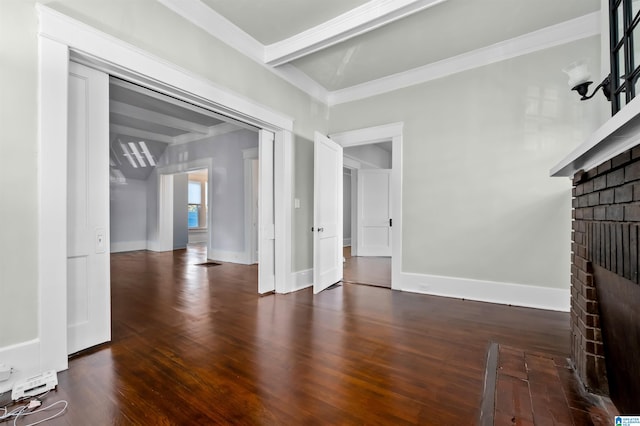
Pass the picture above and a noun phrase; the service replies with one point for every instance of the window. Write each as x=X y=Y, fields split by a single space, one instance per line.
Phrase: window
x=197 y=211
x=624 y=16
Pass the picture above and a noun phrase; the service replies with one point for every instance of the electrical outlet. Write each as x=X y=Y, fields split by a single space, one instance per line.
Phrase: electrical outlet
x=5 y=372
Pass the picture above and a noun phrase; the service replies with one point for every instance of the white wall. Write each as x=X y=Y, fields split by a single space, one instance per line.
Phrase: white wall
x=180 y=213
x=128 y=215
x=346 y=209
x=478 y=200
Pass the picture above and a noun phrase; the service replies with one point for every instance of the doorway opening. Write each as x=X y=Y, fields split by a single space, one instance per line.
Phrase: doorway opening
x=367 y=214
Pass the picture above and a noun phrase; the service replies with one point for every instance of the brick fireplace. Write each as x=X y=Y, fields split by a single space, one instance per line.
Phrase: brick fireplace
x=605 y=279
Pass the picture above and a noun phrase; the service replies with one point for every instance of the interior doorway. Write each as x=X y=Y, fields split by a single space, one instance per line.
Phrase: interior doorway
x=367 y=214
x=389 y=137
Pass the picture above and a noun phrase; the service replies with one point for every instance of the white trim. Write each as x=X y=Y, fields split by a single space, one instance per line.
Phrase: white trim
x=301 y=280
x=386 y=132
x=141 y=67
x=53 y=76
x=487 y=291
x=618 y=134
x=283 y=186
x=368 y=135
x=23 y=358
x=228 y=256
x=250 y=232
x=59 y=37
x=545 y=38
x=123 y=246
x=357 y=21
x=221 y=28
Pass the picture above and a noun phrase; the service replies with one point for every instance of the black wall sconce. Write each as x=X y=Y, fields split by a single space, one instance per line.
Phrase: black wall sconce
x=579 y=80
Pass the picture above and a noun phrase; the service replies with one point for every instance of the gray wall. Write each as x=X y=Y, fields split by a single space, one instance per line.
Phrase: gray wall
x=226 y=182
x=478 y=202
x=128 y=211
x=180 y=214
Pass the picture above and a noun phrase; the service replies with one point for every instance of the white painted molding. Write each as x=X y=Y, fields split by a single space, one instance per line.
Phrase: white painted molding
x=545 y=38
x=102 y=51
x=283 y=184
x=488 y=291
x=228 y=256
x=301 y=280
x=357 y=21
x=618 y=134
x=221 y=28
x=24 y=358
x=376 y=134
x=124 y=246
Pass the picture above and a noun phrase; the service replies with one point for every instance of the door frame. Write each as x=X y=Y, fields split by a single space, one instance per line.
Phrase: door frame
x=384 y=133
x=61 y=39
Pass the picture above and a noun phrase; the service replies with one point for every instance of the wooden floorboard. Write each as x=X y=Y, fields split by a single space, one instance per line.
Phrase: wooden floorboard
x=198 y=345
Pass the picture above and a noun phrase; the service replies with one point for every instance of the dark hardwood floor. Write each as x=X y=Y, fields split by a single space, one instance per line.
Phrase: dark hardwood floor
x=197 y=345
x=369 y=270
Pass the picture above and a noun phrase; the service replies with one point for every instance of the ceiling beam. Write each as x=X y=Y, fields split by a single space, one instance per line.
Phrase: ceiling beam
x=360 y=20
x=216 y=130
x=148 y=116
x=137 y=133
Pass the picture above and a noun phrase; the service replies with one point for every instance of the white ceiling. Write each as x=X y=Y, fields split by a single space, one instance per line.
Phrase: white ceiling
x=332 y=47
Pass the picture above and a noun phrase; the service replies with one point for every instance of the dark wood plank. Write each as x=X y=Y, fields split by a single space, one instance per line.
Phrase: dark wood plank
x=196 y=345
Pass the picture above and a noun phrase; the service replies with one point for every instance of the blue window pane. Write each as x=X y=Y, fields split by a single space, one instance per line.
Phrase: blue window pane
x=193 y=219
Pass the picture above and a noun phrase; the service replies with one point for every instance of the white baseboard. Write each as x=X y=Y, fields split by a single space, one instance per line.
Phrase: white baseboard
x=229 y=256
x=553 y=299
x=302 y=279
x=346 y=242
x=24 y=358
x=119 y=247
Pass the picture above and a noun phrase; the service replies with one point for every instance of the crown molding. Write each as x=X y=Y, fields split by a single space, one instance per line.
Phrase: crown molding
x=555 y=35
x=359 y=20
x=221 y=28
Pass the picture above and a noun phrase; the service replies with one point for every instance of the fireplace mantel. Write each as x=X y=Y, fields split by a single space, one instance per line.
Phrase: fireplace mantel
x=620 y=133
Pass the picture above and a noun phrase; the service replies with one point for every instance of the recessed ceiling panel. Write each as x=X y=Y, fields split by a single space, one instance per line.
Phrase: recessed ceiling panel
x=123 y=120
x=140 y=100
x=275 y=20
x=445 y=30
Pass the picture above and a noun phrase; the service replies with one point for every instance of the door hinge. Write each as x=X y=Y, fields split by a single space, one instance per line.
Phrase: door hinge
x=390 y=222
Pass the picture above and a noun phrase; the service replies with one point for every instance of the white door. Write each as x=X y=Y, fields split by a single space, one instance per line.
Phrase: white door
x=327 y=213
x=88 y=285
x=266 y=228
x=374 y=212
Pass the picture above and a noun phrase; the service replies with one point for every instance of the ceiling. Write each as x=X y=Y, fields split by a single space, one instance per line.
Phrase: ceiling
x=334 y=47
x=143 y=123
